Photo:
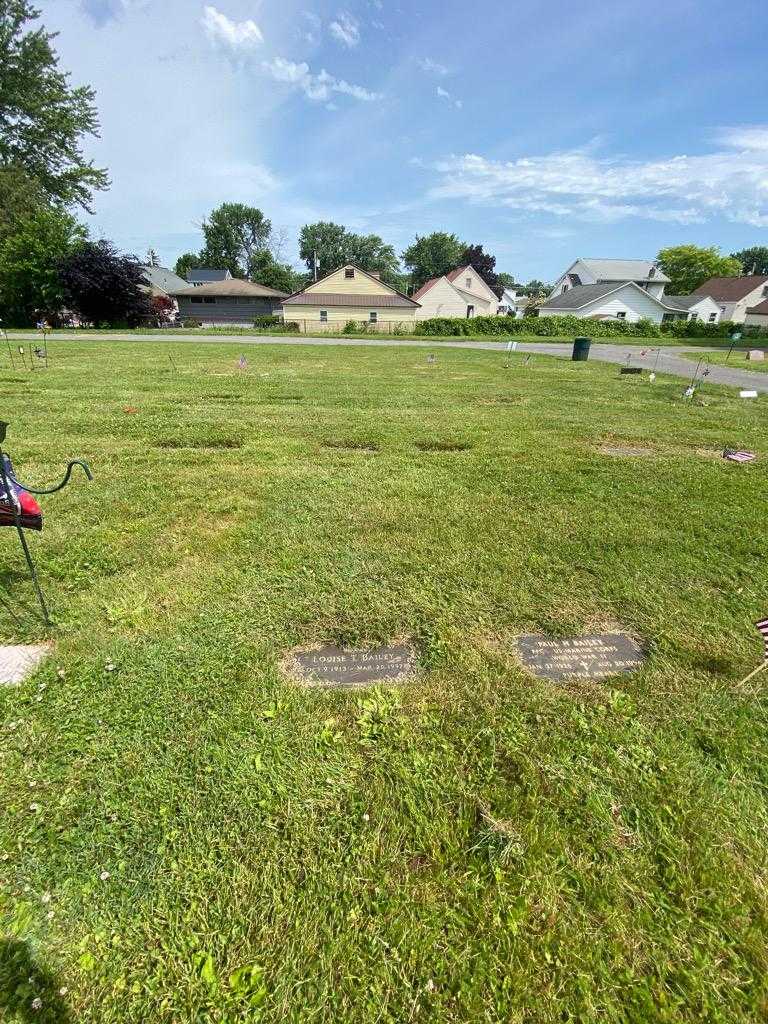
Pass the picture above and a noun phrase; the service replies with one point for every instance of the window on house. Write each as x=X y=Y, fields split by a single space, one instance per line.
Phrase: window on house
x=722 y=309
x=652 y=272
x=209 y=300
x=765 y=289
x=470 y=312
x=712 y=317
x=196 y=298
x=469 y=282
x=621 y=315
x=323 y=316
x=373 y=317
x=349 y=273
x=565 y=289
x=666 y=317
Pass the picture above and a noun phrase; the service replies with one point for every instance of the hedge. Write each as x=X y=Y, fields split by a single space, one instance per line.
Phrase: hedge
x=571 y=326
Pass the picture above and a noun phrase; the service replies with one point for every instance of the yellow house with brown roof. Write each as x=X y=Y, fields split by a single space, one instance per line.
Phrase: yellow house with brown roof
x=350 y=294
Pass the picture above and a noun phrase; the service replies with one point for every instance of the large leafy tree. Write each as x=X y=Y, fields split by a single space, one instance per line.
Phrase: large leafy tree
x=104 y=287
x=43 y=119
x=484 y=264
x=335 y=246
x=30 y=286
x=235 y=234
x=754 y=260
x=268 y=271
x=688 y=266
x=432 y=256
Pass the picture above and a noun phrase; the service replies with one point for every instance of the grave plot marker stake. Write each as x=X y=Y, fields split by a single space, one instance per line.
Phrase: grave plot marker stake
x=18 y=508
x=10 y=349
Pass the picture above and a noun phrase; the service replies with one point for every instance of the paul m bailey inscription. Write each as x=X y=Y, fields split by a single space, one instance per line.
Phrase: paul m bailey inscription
x=335 y=666
x=584 y=657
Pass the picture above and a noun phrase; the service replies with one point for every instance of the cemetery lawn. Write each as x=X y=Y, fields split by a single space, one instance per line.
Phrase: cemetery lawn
x=187 y=836
x=737 y=361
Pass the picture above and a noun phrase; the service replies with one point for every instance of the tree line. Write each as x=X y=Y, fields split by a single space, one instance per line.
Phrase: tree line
x=48 y=262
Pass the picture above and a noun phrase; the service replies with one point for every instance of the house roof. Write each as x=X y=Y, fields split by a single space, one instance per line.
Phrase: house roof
x=624 y=270
x=206 y=274
x=581 y=295
x=426 y=286
x=684 y=301
x=338 y=299
x=761 y=309
x=162 y=281
x=731 y=289
x=234 y=286
x=307 y=297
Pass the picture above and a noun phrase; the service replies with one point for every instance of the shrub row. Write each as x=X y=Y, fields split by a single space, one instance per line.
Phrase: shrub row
x=571 y=326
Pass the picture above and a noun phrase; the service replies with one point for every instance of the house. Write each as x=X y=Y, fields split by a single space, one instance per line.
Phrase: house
x=757 y=316
x=206 y=275
x=461 y=293
x=699 y=307
x=161 y=281
x=735 y=295
x=644 y=273
x=350 y=294
x=227 y=301
x=512 y=304
x=621 y=300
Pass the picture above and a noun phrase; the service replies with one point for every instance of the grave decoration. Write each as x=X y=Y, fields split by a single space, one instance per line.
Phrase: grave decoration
x=585 y=657
x=738 y=456
x=345 y=668
x=242 y=363
x=19 y=508
x=762 y=628
x=748 y=394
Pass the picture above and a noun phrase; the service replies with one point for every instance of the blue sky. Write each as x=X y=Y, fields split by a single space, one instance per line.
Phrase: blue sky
x=542 y=131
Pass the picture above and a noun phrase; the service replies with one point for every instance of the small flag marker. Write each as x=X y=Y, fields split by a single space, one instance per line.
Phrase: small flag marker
x=735 y=456
x=762 y=628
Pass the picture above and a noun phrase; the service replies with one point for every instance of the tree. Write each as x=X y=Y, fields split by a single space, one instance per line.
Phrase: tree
x=484 y=264
x=267 y=271
x=42 y=118
x=29 y=283
x=508 y=281
x=20 y=197
x=432 y=256
x=234 y=235
x=186 y=262
x=754 y=260
x=688 y=266
x=104 y=287
x=535 y=288
x=336 y=246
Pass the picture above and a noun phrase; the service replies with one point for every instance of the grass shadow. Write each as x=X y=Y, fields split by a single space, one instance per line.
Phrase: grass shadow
x=28 y=992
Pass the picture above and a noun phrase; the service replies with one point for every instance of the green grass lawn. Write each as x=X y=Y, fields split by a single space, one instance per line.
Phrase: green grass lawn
x=736 y=361
x=188 y=836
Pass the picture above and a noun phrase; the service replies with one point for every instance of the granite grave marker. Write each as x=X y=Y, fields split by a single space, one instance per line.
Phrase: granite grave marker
x=585 y=657
x=338 y=667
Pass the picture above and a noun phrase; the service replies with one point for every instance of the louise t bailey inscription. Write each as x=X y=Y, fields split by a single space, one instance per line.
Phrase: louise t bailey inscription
x=340 y=667
x=586 y=657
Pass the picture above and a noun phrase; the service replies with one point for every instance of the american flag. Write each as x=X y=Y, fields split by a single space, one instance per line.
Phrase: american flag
x=762 y=628
x=14 y=500
x=733 y=456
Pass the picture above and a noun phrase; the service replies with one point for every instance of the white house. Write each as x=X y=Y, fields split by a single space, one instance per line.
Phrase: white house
x=462 y=293
x=619 y=300
x=757 y=316
x=735 y=295
x=512 y=304
x=644 y=273
x=699 y=307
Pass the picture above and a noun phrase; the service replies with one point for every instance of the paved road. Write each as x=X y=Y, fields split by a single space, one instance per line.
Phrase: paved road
x=669 y=361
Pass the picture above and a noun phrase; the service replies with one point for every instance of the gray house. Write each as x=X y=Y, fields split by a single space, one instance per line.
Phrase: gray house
x=230 y=301
x=205 y=275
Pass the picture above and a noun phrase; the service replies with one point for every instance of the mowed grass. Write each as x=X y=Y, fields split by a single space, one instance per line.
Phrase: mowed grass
x=188 y=836
x=737 y=360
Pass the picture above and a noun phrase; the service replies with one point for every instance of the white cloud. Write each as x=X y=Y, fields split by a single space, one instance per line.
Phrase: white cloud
x=345 y=29
x=314 y=86
x=237 y=36
x=445 y=95
x=432 y=67
x=731 y=182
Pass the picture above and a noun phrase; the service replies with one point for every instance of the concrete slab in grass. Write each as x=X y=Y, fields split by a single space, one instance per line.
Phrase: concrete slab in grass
x=19 y=661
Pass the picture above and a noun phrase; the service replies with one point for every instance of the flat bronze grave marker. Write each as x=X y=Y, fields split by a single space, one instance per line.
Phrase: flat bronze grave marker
x=585 y=657
x=348 y=668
